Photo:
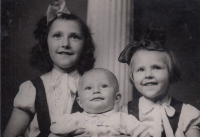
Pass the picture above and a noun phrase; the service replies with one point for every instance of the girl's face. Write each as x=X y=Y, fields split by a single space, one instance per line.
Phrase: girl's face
x=150 y=74
x=65 y=43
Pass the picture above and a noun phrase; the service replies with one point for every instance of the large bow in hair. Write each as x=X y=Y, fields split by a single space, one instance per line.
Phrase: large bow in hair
x=153 y=40
x=55 y=9
x=126 y=55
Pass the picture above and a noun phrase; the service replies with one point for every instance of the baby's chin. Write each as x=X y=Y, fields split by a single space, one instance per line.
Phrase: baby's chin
x=95 y=112
x=98 y=111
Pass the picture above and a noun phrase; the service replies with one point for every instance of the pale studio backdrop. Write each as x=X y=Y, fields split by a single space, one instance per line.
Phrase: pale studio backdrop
x=112 y=24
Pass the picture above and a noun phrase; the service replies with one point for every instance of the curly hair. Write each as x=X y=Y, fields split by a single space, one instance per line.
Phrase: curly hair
x=40 y=58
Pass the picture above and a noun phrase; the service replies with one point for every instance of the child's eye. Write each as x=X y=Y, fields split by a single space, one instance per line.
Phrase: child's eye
x=56 y=35
x=88 y=88
x=140 y=70
x=75 y=37
x=156 y=68
x=104 y=86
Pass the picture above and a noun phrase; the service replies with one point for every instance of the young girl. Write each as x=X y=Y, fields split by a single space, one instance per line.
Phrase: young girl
x=152 y=69
x=64 y=52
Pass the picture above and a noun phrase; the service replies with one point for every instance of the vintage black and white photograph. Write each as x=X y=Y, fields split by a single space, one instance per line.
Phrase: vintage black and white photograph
x=100 y=68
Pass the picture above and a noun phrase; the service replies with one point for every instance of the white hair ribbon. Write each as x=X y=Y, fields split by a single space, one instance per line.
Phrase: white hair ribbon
x=55 y=9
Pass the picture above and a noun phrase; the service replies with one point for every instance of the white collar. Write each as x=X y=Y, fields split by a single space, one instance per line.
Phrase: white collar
x=107 y=114
x=55 y=74
x=146 y=102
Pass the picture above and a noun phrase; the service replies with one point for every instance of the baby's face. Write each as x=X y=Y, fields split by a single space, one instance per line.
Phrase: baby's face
x=97 y=92
x=150 y=73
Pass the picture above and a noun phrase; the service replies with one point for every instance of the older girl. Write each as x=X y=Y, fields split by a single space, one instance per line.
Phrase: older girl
x=64 y=52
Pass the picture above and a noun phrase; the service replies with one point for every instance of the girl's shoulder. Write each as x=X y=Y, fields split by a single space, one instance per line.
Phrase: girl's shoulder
x=189 y=112
x=131 y=105
x=188 y=107
x=27 y=87
x=25 y=98
x=189 y=117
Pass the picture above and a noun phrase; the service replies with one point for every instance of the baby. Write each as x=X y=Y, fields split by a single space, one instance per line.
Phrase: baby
x=98 y=93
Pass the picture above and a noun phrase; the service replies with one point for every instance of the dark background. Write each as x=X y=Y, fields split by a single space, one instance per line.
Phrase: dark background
x=180 y=19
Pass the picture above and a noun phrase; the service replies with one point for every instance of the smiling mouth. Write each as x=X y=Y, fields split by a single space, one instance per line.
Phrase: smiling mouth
x=97 y=99
x=150 y=84
x=65 y=53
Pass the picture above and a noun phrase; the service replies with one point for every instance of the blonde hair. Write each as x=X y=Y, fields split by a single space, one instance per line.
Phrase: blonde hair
x=172 y=64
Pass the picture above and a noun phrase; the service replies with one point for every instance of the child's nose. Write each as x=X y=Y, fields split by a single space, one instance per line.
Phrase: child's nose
x=66 y=43
x=96 y=91
x=148 y=74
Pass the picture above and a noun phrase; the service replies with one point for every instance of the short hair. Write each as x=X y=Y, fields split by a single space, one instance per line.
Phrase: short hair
x=115 y=81
x=172 y=64
x=40 y=58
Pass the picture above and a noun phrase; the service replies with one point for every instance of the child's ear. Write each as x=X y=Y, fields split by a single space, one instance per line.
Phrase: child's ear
x=117 y=98
x=79 y=101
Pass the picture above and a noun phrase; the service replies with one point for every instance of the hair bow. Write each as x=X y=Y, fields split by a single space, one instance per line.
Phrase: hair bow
x=56 y=9
x=126 y=55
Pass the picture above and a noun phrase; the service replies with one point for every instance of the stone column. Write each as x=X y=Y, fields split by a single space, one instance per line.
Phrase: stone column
x=111 y=24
